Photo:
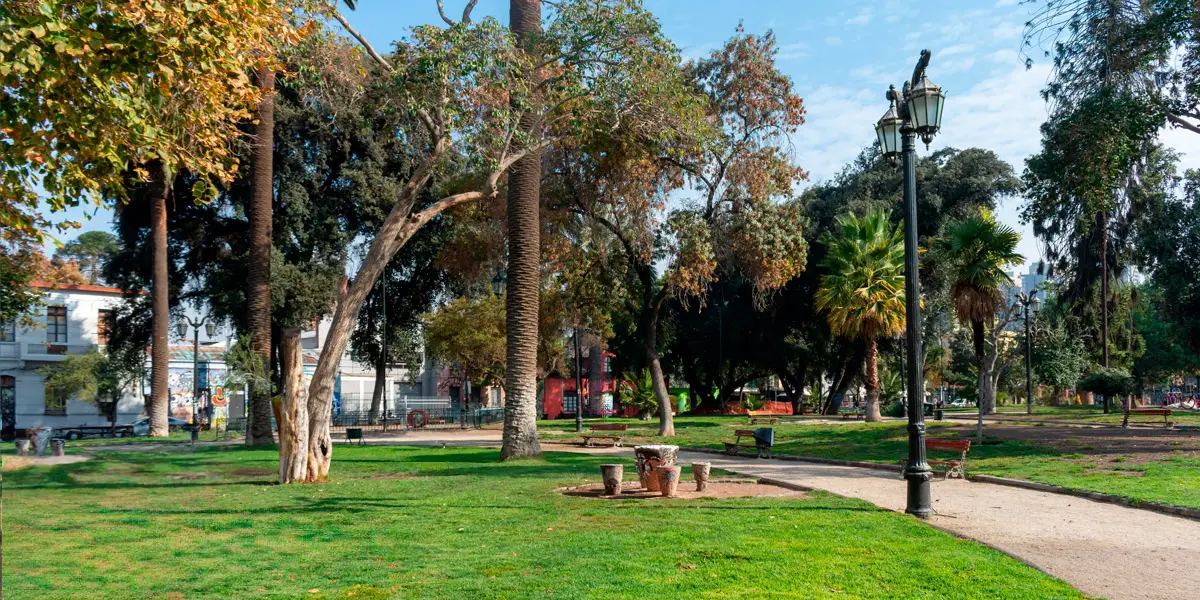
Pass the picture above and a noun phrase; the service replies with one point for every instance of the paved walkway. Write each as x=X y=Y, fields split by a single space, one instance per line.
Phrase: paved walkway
x=1102 y=549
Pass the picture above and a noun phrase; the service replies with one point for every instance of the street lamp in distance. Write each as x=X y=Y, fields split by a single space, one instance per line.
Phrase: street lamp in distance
x=499 y=282
x=1027 y=300
x=914 y=110
x=181 y=328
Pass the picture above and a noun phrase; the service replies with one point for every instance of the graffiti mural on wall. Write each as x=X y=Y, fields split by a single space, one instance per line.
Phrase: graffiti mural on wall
x=180 y=382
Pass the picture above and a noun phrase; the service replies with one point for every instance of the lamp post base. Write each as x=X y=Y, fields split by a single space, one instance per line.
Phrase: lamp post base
x=919 y=500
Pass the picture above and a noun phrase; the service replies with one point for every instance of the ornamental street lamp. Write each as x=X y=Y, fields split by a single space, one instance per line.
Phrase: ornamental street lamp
x=211 y=329
x=499 y=281
x=916 y=110
x=1026 y=300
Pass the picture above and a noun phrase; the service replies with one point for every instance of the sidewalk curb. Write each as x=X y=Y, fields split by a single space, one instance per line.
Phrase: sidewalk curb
x=1175 y=511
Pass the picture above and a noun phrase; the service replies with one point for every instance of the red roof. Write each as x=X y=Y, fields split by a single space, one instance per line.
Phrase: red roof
x=82 y=287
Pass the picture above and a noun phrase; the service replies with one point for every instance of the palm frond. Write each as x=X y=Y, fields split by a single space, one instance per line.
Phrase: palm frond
x=862 y=290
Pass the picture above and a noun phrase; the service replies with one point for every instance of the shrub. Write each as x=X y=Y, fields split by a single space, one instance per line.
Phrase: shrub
x=894 y=408
x=1107 y=382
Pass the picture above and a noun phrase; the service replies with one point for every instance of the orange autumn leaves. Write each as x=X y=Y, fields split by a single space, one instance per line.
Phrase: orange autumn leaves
x=89 y=89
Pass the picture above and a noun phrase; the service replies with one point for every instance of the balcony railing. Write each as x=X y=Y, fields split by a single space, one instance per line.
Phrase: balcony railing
x=47 y=351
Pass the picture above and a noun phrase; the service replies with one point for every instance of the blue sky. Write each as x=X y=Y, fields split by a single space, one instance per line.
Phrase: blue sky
x=842 y=56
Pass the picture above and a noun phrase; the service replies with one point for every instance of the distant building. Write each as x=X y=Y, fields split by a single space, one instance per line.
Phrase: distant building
x=355 y=383
x=72 y=320
x=560 y=399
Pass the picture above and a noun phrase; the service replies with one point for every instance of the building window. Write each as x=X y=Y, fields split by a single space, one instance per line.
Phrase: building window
x=56 y=324
x=55 y=406
x=496 y=397
x=8 y=330
x=103 y=325
x=608 y=365
x=570 y=402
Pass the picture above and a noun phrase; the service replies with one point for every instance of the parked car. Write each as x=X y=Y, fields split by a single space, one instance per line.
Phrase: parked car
x=142 y=425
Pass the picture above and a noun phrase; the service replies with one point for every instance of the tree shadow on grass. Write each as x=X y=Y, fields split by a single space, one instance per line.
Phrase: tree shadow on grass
x=355 y=505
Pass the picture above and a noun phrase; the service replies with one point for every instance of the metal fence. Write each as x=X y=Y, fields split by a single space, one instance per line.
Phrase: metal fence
x=437 y=413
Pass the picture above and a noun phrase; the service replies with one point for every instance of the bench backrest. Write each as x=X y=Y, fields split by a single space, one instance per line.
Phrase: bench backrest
x=1150 y=411
x=942 y=444
x=608 y=427
x=353 y=433
x=743 y=433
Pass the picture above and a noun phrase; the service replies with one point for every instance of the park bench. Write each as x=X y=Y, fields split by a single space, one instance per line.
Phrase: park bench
x=355 y=433
x=1165 y=413
x=617 y=438
x=760 y=440
x=767 y=419
x=850 y=412
x=955 y=467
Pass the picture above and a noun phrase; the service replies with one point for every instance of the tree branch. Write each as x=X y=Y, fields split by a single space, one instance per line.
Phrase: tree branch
x=362 y=40
x=1180 y=122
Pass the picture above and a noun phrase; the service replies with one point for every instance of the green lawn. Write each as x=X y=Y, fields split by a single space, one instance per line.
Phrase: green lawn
x=397 y=522
x=1170 y=481
x=1081 y=414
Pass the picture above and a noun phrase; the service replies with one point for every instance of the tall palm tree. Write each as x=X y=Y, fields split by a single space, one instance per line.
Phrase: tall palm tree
x=158 y=187
x=258 y=292
x=862 y=290
x=978 y=250
x=524 y=271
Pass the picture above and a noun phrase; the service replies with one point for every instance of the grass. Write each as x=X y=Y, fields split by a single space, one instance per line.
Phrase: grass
x=1171 y=481
x=1082 y=414
x=397 y=522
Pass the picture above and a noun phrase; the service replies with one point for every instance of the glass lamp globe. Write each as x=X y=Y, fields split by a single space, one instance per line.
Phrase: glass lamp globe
x=925 y=102
x=888 y=130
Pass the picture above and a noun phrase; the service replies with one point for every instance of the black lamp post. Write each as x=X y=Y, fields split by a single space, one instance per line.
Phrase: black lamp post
x=579 y=383
x=211 y=329
x=1026 y=300
x=916 y=110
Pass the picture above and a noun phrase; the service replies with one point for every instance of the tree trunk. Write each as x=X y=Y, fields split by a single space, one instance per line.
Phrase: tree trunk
x=397 y=229
x=258 y=280
x=842 y=383
x=524 y=273
x=872 y=376
x=980 y=379
x=378 y=392
x=159 y=409
x=987 y=371
x=293 y=419
x=666 y=420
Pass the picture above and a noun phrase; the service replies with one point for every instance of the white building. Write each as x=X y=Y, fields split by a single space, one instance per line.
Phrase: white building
x=69 y=321
x=356 y=381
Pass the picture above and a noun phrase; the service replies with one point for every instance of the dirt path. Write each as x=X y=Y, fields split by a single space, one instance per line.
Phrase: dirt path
x=1102 y=549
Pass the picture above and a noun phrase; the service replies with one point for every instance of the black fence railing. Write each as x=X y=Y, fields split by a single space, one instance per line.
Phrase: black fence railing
x=418 y=418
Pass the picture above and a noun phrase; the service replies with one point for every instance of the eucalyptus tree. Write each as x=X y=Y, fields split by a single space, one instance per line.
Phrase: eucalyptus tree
x=733 y=178
x=460 y=83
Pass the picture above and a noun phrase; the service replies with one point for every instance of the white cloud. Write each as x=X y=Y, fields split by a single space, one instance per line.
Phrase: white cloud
x=955 y=65
x=793 y=51
x=1008 y=31
x=956 y=49
x=862 y=18
x=833 y=40
x=1003 y=3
